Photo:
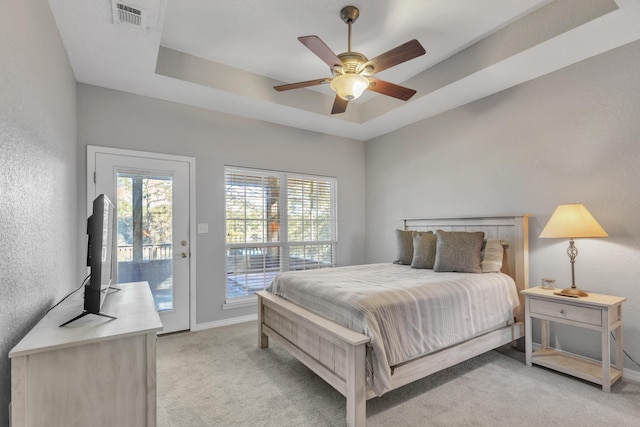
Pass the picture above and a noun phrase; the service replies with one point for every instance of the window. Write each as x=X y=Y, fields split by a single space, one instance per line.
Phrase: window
x=276 y=222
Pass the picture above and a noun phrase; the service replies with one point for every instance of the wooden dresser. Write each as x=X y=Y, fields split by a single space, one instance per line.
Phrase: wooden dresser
x=95 y=371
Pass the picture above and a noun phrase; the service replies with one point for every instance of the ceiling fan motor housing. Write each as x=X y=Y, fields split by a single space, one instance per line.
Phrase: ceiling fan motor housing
x=351 y=63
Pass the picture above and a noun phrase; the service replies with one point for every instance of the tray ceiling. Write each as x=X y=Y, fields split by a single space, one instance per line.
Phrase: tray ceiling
x=227 y=55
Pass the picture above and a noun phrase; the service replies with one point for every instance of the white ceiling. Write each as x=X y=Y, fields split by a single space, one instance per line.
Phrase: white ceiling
x=227 y=55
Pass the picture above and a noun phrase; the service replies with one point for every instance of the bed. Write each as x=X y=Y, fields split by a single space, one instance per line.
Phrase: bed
x=349 y=358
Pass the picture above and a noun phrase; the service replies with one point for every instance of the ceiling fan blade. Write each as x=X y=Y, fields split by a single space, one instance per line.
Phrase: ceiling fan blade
x=298 y=85
x=339 y=105
x=390 y=89
x=322 y=51
x=395 y=56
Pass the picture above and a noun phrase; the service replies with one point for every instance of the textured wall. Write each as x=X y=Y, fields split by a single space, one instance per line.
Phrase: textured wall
x=39 y=259
x=216 y=140
x=568 y=137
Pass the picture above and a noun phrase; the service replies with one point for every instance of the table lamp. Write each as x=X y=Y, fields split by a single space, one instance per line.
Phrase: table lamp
x=572 y=221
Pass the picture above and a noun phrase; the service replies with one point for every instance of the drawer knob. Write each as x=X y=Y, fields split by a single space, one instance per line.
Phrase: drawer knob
x=563 y=312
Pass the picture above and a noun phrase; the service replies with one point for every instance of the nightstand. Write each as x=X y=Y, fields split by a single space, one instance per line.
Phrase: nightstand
x=596 y=312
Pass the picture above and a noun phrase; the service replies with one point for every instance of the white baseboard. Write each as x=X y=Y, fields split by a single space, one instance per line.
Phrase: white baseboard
x=226 y=322
x=632 y=375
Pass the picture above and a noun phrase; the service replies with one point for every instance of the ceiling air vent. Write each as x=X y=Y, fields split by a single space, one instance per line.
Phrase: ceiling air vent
x=126 y=14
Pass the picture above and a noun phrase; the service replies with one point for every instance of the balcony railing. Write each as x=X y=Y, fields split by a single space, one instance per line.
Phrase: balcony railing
x=149 y=252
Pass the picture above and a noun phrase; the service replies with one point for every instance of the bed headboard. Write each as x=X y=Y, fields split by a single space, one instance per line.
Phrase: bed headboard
x=512 y=229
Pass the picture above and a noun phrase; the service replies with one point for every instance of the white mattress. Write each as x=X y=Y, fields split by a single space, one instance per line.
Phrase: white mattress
x=406 y=312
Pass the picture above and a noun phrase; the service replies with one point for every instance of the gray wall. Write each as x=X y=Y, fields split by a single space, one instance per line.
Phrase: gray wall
x=115 y=119
x=39 y=261
x=568 y=137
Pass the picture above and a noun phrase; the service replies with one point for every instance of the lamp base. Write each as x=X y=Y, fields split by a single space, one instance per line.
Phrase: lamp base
x=573 y=292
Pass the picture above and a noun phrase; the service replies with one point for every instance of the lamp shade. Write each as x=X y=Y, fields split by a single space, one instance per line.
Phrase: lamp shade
x=572 y=221
x=349 y=86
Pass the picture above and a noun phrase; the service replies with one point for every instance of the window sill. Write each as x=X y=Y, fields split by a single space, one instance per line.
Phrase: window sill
x=251 y=301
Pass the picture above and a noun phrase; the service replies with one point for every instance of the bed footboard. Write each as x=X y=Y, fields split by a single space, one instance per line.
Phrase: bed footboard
x=337 y=354
x=333 y=352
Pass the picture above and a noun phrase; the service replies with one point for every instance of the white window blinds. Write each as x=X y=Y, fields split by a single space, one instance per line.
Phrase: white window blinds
x=276 y=222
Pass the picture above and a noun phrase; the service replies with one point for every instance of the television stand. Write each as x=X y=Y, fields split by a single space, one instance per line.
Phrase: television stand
x=96 y=373
x=84 y=313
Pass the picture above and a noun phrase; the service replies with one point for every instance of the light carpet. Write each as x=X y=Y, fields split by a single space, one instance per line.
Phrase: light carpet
x=219 y=377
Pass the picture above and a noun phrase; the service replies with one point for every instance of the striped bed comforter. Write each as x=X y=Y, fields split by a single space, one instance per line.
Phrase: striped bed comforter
x=406 y=312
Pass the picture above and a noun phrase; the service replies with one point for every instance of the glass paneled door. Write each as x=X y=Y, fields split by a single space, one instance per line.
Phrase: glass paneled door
x=152 y=204
x=145 y=233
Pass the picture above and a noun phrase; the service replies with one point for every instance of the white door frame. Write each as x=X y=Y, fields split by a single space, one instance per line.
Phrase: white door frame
x=92 y=150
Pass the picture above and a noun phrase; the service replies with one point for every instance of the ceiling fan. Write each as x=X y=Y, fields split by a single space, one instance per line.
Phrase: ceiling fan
x=352 y=71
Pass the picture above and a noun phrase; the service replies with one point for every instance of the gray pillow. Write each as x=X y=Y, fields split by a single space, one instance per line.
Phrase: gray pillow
x=404 y=242
x=424 y=249
x=459 y=251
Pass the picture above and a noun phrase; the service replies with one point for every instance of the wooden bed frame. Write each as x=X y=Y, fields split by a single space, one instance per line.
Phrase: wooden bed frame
x=337 y=354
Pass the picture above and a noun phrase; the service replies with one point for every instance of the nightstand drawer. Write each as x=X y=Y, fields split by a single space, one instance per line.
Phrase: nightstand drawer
x=587 y=315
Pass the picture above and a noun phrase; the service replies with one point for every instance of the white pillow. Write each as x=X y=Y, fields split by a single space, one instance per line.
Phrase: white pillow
x=492 y=256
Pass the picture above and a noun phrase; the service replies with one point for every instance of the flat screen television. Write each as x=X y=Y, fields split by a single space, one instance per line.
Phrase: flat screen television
x=101 y=235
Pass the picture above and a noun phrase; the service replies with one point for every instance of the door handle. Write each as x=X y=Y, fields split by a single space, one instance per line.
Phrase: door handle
x=183 y=255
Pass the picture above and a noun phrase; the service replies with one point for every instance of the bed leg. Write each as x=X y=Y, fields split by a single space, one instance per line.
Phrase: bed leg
x=356 y=386
x=263 y=339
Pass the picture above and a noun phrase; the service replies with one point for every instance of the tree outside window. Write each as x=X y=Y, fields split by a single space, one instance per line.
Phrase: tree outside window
x=276 y=222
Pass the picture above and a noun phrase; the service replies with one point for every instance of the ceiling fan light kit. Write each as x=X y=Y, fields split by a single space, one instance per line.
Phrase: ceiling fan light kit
x=352 y=71
x=349 y=86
